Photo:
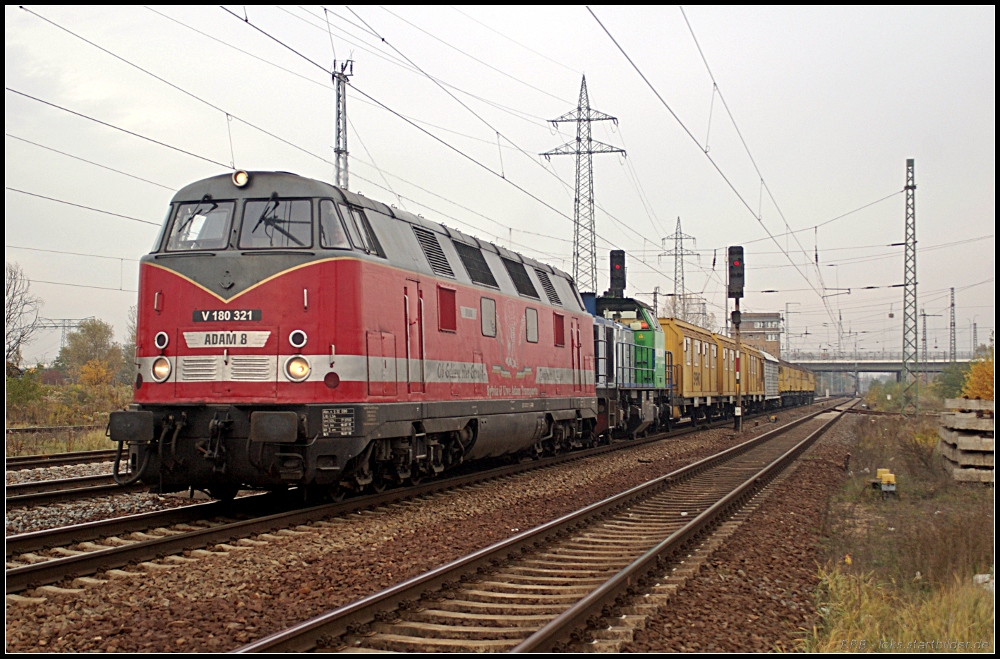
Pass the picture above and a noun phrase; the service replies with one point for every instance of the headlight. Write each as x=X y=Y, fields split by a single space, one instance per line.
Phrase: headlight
x=161 y=369
x=297 y=369
x=240 y=178
x=298 y=339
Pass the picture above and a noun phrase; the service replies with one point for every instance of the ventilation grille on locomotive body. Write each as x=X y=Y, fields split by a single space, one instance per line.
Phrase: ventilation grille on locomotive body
x=550 y=290
x=432 y=250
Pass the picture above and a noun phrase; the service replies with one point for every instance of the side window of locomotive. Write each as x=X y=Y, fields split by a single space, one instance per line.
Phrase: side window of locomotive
x=488 y=312
x=697 y=353
x=559 y=329
x=202 y=225
x=352 y=228
x=331 y=231
x=361 y=231
x=276 y=223
x=447 y=317
x=687 y=350
x=531 y=324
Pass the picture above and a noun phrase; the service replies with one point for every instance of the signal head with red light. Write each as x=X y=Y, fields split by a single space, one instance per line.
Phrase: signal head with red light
x=736 y=272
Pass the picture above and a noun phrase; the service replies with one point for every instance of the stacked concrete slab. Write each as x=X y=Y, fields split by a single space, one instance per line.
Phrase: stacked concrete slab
x=966 y=444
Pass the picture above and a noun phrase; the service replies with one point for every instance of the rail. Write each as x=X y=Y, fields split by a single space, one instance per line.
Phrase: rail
x=355 y=617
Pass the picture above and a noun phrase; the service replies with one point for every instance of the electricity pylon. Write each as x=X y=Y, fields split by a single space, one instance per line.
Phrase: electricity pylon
x=584 y=147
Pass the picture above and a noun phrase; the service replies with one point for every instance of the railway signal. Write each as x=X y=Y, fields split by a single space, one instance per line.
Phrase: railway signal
x=736 y=272
x=617 y=272
x=737 y=269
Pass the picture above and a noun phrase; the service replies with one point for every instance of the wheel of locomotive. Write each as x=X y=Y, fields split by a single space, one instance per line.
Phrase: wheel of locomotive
x=380 y=481
x=224 y=492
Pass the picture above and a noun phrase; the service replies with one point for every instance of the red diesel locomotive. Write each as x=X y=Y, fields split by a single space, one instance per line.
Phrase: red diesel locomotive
x=291 y=333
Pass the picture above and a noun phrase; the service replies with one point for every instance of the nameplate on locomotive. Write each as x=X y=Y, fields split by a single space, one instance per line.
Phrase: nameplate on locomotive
x=252 y=339
x=338 y=421
x=225 y=315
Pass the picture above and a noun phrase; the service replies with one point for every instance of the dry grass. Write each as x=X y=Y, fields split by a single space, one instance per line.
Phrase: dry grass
x=56 y=442
x=862 y=614
x=900 y=568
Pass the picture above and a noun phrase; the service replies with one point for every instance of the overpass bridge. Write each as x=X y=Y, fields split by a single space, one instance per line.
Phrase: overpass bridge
x=873 y=362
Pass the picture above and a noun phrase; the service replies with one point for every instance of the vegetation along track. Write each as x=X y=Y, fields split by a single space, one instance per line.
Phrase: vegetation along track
x=50 y=556
x=558 y=586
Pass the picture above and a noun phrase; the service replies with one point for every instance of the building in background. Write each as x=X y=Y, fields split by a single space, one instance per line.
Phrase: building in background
x=762 y=331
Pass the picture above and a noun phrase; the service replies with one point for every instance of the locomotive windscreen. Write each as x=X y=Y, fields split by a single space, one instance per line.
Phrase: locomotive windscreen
x=202 y=225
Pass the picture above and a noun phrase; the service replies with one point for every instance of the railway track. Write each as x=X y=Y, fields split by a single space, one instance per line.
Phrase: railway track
x=58 y=459
x=50 y=556
x=64 y=489
x=568 y=584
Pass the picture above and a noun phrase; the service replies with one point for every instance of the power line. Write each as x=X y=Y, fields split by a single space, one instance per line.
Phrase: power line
x=89 y=162
x=517 y=43
x=472 y=57
x=118 y=128
x=56 y=251
x=173 y=85
x=710 y=159
x=100 y=288
x=89 y=208
x=432 y=135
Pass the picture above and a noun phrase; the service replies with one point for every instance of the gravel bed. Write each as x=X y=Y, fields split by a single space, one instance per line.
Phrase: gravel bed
x=36 y=518
x=757 y=592
x=220 y=602
x=55 y=473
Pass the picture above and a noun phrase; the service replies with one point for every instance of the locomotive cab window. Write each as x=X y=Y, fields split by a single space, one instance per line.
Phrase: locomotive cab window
x=531 y=324
x=201 y=225
x=276 y=223
x=488 y=312
x=331 y=231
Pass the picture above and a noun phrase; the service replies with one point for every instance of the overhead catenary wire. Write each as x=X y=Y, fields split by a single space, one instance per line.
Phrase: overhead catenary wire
x=89 y=208
x=420 y=128
x=515 y=42
x=118 y=128
x=706 y=154
x=89 y=162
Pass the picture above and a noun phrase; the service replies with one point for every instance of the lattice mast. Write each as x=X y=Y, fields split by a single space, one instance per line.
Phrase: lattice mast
x=678 y=252
x=340 y=79
x=584 y=229
x=911 y=366
x=923 y=332
x=952 y=356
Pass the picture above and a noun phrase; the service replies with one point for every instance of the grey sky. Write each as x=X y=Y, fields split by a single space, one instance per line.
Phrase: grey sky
x=831 y=102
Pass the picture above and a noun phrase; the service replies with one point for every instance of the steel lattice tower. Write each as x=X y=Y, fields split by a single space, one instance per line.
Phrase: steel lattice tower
x=911 y=366
x=951 y=347
x=340 y=134
x=678 y=252
x=584 y=229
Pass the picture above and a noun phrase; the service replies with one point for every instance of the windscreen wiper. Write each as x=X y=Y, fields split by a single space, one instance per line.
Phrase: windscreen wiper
x=194 y=213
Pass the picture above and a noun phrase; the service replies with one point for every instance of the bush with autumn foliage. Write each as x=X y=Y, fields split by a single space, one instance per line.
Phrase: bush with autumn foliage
x=979 y=381
x=90 y=378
